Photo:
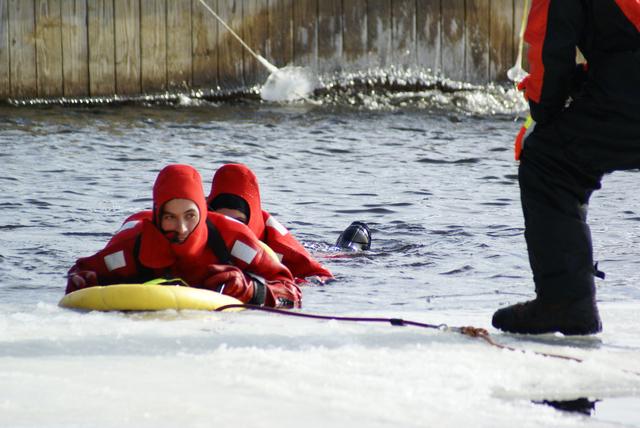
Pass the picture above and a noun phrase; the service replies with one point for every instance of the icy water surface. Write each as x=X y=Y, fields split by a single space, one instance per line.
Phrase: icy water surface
x=438 y=188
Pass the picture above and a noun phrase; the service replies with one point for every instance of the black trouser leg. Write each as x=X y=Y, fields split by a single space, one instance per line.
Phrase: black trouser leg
x=555 y=194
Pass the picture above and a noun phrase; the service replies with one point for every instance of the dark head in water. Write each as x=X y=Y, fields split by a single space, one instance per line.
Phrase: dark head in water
x=356 y=237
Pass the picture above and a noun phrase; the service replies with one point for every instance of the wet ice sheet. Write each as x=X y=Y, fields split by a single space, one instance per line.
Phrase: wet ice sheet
x=63 y=368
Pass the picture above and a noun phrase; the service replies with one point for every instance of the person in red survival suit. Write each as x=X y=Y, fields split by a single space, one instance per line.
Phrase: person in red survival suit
x=183 y=240
x=587 y=124
x=235 y=192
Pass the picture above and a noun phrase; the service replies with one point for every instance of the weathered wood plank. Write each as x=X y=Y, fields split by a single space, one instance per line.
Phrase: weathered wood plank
x=281 y=23
x=501 y=39
x=230 y=51
x=5 y=69
x=428 y=35
x=153 y=45
x=179 y=44
x=128 y=68
x=403 y=33
x=330 y=44
x=355 y=33
x=100 y=47
x=477 y=41
x=75 y=54
x=102 y=79
x=379 y=33
x=49 y=48
x=255 y=28
x=305 y=37
x=23 y=48
x=453 y=39
x=205 y=42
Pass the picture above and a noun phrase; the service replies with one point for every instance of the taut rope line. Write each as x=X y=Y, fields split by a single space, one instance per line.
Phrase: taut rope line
x=473 y=332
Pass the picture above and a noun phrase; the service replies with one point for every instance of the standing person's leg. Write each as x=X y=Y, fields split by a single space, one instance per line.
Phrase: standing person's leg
x=555 y=193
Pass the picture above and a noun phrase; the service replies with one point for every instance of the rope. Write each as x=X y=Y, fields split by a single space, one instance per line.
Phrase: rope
x=472 y=332
x=523 y=25
x=483 y=334
x=272 y=68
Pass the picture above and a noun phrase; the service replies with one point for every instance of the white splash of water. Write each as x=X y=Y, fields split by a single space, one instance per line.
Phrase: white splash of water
x=184 y=100
x=289 y=83
x=516 y=73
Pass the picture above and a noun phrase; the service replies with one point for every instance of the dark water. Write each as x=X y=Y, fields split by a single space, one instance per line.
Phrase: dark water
x=439 y=191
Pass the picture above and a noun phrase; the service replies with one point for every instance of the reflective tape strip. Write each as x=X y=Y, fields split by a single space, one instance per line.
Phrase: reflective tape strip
x=244 y=252
x=128 y=225
x=115 y=261
x=272 y=222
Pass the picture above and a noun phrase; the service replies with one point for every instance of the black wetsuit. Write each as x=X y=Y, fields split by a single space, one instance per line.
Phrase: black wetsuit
x=571 y=148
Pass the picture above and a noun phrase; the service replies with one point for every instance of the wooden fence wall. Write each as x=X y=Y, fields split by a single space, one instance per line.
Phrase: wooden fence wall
x=75 y=48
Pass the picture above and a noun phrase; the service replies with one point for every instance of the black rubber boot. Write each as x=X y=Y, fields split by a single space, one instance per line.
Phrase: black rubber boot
x=536 y=316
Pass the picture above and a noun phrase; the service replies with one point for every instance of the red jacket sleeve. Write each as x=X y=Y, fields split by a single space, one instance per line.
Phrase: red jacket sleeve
x=247 y=253
x=554 y=29
x=291 y=252
x=115 y=263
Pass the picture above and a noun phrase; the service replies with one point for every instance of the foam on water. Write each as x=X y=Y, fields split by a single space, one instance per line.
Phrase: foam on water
x=393 y=90
x=373 y=90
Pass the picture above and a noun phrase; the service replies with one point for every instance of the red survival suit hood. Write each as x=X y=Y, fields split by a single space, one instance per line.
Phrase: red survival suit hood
x=238 y=180
x=174 y=182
